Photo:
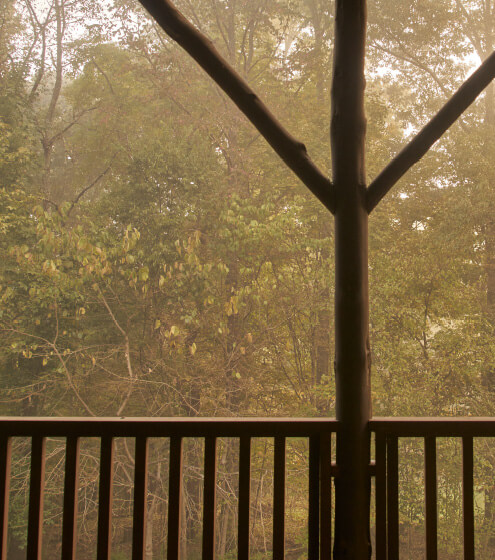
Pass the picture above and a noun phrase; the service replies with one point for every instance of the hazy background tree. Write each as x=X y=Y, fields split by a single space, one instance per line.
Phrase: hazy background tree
x=158 y=260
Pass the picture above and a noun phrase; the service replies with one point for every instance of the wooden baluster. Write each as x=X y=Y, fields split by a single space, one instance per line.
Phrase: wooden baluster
x=244 y=498
x=174 y=498
x=381 y=495
x=279 y=499
x=314 y=499
x=5 y=462
x=36 y=490
x=105 y=499
x=393 y=496
x=69 y=521
x=326 y=496
x=209 y=505
x=140 y=495
x=431 y=497
x=468 y=497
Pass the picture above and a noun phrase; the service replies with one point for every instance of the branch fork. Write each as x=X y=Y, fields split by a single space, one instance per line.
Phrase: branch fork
x=292 y=151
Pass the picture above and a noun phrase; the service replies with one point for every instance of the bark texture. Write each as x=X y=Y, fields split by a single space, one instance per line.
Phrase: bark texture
x=348 y=128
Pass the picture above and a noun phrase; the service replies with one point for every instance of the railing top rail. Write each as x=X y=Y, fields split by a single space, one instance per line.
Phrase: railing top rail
x=236 y=427
x=166 y=427
x=456 y=426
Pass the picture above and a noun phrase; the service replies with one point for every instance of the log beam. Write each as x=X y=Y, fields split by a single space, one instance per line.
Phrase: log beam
x=201 y=49
x=352 y=356
x=430 y=133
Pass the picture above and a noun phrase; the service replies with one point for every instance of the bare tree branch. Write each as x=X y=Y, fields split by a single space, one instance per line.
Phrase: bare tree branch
x=415 y=61
x=57 y=88
x=38 y=29
x=100 y=70
x=51 y=141
x=430 y=133
x=291 y=151
x=127 y=353
x=57 y=352
x=89 y=187
x=470 y=30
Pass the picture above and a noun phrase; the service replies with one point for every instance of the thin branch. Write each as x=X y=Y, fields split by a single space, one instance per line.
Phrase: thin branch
x=414 y=61
x=122 y=331
x=89 y=187
x=411 y=59
x=290 y=150
x=55 y=137
x=127 y=353
x=430 y=133
x=470 y=29
x=57 y=88
x=100 y=70
x=56 y=351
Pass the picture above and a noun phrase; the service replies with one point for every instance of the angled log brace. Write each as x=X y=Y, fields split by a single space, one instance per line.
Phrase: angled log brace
x=430 y=133
x=290 y=150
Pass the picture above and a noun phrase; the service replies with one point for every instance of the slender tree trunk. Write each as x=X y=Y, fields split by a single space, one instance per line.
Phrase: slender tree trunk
x=322 y=333
x=322 y=343
x=183 y=528
x=148 y=551
x=224 y=524
x=490 y=270
x=490 y=225
x=317 y=23
x=352 y=360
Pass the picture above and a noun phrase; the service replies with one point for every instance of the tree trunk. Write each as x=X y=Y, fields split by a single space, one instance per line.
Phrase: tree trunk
x=148 y=547
x=322 y=332
x=224 y=525
x=183 y=527
x=352 y=361
x=489 y=124
x=317 y=24
x=322 y=343
x=490 y=270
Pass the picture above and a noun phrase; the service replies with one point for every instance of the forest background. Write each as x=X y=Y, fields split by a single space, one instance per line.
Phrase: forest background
x=158 y=259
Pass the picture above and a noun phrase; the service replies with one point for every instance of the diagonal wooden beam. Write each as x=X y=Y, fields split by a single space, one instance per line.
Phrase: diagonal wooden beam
x=428 y=135
x=291 y=151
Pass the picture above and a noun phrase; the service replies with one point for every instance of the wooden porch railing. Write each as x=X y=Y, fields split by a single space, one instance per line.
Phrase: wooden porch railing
x=319 y=432
x=386 y=469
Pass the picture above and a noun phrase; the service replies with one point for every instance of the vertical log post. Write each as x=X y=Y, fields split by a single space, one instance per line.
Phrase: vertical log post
x=352 y=362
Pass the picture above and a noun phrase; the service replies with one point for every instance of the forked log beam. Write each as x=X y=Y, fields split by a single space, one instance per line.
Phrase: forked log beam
x=291 y=151
x=428 y=135
x=352 y=353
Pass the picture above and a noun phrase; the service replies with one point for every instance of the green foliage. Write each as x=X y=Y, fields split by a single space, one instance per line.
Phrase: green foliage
x=158 y=260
